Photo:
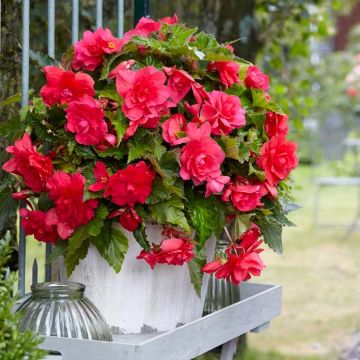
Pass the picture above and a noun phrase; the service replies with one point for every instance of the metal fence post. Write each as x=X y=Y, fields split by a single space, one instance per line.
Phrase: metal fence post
x=141 y=8
x=24 y=102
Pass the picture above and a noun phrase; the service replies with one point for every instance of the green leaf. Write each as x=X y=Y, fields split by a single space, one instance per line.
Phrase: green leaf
x=162 y=190
x=67 y=58
x=137 y=150
x=151 y=43
x=259 y=98
x=12 y=129
x=241 y=224
x=230 y=146
x=38 y=106
x=272 y=232
x=107 y=66
x=92 y=228
x=85 y=152
x=119 y=122
x=272 y=222
x=117 y=153
x=13 y=99
x=72 y=259
x=71 y=146
x=110 y=93
x=44 y=203
x=57 y=250
x=196 y=275
x=145 y=144
x=180 y=36
x=258 y=173
x=112 y=245
x=169 y=164
x=141 y=237
x=170 y=212
x=96 y=224
x=159 y=148
x=42 y=59
x=206 y=215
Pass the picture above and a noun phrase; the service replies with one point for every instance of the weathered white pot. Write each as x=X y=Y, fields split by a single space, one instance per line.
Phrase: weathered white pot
x=139 y=299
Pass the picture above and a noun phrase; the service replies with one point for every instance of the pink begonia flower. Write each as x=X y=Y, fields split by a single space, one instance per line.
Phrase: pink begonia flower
x=169 y=20
x=131 y=185
x=90 y=50
x=245 y=195
x=173 y=128
x=144 y=28
x=107 y=142
x=101 y=176
x=276 y=124
x=228 y=71
x=179 y=84
x=71 y=211
x=124 y=65
x=63 y=86
x=242 y=261
x=201 y=158
x=277 y=158
x=85 y=119
x=256 y=79
x=222 y=111
x=34 y=223
x=145 y=97
x=174 y=251
x=130 y=219
x=27 y=162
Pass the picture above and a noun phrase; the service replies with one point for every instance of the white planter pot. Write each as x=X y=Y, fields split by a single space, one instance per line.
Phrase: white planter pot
x=139 y=299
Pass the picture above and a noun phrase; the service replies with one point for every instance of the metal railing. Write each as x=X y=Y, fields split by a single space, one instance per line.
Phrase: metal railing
x=141 y=8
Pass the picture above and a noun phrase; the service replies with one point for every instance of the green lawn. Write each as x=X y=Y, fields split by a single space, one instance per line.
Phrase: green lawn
x=320 y=275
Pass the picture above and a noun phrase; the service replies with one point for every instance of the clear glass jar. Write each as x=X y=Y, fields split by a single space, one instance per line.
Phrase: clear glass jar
x=60 y=309
x=221 y=293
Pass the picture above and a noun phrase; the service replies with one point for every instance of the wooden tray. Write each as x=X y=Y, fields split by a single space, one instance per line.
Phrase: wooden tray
x=259 y=304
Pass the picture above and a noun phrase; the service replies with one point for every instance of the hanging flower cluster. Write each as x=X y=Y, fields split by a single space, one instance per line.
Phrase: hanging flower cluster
x=163 y=126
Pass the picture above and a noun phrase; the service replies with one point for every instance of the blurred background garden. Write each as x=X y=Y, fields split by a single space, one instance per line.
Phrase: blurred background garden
x=311 y=49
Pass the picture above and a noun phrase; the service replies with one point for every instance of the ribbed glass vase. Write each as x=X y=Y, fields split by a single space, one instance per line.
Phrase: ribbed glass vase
x=60 y=309
x=221 y=293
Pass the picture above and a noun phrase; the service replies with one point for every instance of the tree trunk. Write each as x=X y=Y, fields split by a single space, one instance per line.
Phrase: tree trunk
x=10 y=79
x=232 y=20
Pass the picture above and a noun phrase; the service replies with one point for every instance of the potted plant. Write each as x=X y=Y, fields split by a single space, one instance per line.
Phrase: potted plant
x=137 y=154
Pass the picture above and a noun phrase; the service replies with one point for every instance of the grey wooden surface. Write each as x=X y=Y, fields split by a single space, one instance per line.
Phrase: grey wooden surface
x=258 y=306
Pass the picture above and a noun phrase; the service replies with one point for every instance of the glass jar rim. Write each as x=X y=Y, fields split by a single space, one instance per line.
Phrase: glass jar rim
x=57 y=289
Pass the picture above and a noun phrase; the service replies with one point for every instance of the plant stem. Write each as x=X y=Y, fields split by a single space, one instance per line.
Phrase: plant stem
x=228 y=235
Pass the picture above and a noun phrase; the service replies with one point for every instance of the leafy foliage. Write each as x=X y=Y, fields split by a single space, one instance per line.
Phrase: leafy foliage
x=79 y=242
x=112 y=245
x=170 y=212
x=13 y=344
x=196 y=275
x=206 y=215
x=271 y=222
